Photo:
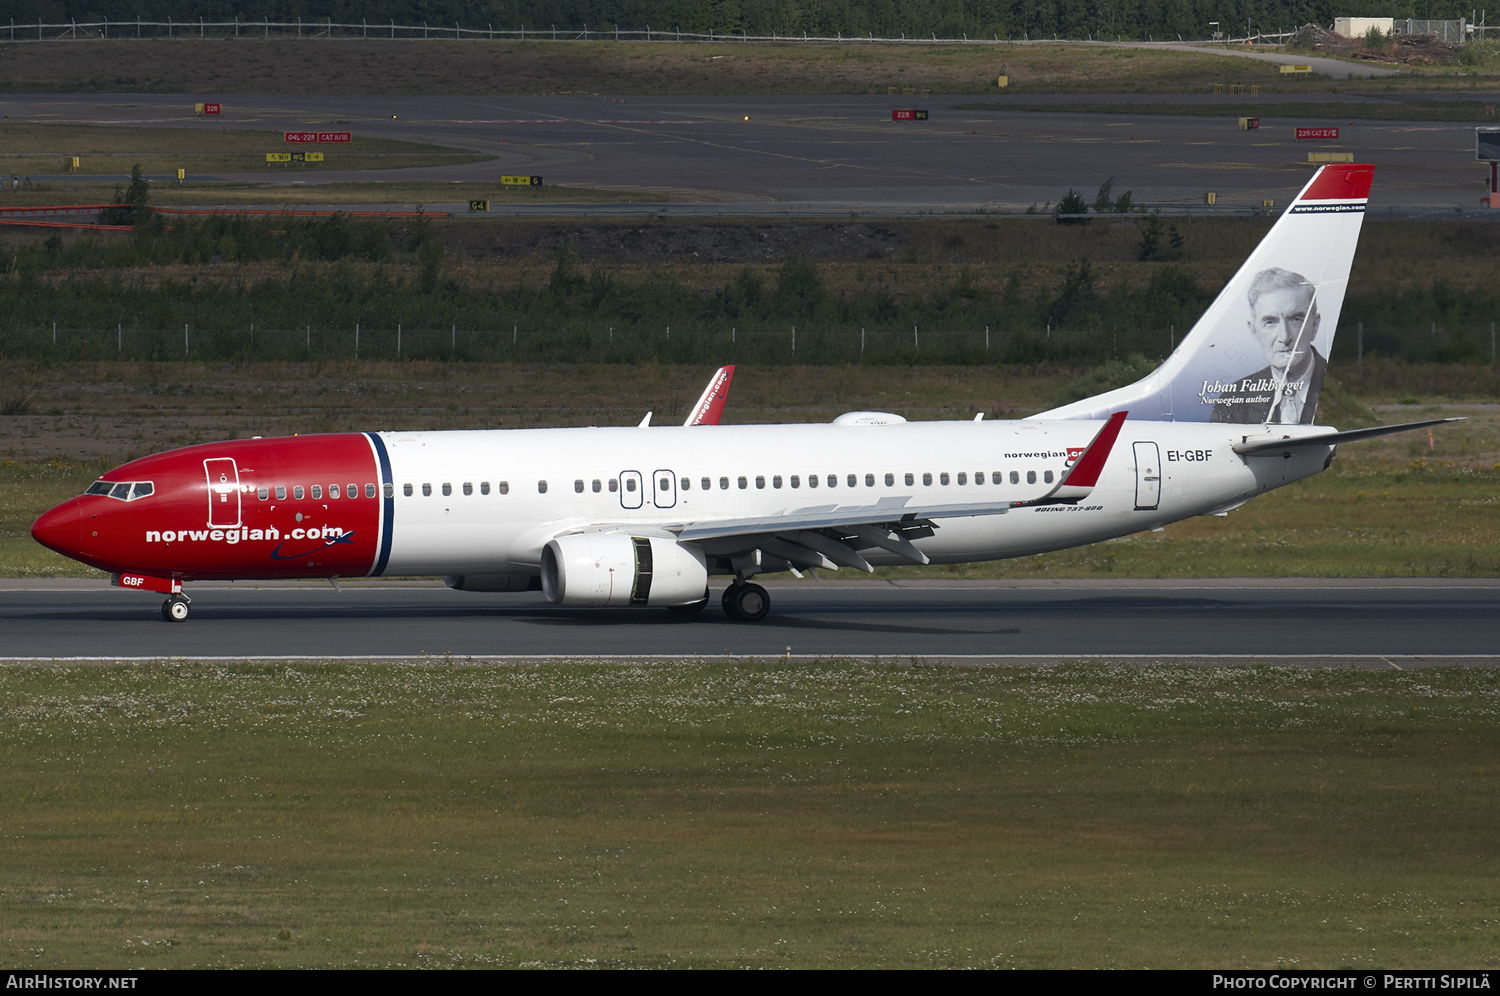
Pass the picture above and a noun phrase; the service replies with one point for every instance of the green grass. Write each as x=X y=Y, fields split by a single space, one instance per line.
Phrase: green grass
x=211 y=195
x=747 y=814
x=30 y=148
x=1424 y=110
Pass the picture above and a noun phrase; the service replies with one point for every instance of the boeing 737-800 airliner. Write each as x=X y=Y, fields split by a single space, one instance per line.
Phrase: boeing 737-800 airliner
x=645 y=515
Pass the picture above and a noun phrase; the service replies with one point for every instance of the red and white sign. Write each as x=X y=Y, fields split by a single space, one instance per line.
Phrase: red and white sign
x=1317 y=133
x=903 y=115
x=333 y=136
x=213 y=108
x=300 y=136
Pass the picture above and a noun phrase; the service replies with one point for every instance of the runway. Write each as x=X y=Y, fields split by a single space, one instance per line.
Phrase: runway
x=1383 y=624
x=840 y=153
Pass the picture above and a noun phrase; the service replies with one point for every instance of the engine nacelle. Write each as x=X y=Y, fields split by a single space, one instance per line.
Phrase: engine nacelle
x=493 y=582
x=601 y=569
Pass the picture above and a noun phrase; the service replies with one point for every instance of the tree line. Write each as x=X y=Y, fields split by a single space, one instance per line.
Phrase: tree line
x=156 y=293
x=1006 y=19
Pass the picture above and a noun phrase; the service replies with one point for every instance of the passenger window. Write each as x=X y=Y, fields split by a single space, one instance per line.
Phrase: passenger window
x=890 y=480
x=333 y=490
x=776 y=481
x=427 y=490
x=614 y=485
x=1015 y=477
x=943 y=477
x=281 y=492
x=978 y=478
x=484 y=487
x=352 y=491
x=317 y=491
x=1047 y=476
x=468 y=488
x=927 y=480
x=687 y=485
x=406 y=490
x=833 y=480
x=962 y=478
x=389 y=489
x=598 y=485
x=797 y=481
x=447 y=489
x=724 y=483
x=812 y=480
x=910 y=480
x=1031 y=477
x=541 y=487
x=853 y=480
x=629 y=484
x=997 y=477
x=707 y=483
x=263 y=493
x=869 y=481
x=743 y=483
x=504 y=487
x=298 y=493
x=578 y=486
x=665 y=485
x=760 y=482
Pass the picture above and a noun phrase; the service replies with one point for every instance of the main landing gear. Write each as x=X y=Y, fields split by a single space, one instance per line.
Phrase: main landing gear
x=175 y=609
x=746 y=602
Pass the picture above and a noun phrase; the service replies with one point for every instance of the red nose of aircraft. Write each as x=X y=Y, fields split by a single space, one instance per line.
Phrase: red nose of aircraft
x=61 y=529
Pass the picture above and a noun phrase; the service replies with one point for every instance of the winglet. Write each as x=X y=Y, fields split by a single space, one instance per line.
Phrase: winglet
x=710 y=406
x=1080 y=479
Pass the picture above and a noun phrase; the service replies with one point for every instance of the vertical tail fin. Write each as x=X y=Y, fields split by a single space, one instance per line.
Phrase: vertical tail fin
x=710 y=406
x=1258 y=354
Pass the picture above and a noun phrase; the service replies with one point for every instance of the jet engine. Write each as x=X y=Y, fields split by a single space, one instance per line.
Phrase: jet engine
x=619 y=569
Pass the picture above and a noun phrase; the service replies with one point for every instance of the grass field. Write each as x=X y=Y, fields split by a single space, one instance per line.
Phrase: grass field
x=351 y=195
x=588 y=69
x=1476 y=110
x=747 y=814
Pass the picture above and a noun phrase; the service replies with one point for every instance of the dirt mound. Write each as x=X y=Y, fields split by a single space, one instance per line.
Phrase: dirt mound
x=1408 y=50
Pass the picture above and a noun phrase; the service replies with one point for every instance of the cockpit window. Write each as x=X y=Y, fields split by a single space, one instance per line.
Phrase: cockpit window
x=123 y=490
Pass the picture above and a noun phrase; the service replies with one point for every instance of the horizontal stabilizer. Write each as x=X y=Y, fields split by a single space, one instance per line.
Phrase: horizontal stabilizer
x=1261 y=445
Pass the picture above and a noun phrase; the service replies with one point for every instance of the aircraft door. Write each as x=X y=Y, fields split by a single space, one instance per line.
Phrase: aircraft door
x=631 y=492
x=663 y=489
x=1147 y=476
x=223 y=493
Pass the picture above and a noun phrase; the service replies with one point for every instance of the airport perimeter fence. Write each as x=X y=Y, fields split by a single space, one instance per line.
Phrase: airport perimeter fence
x=106 y=29
x=765 y=343
x=579 y=344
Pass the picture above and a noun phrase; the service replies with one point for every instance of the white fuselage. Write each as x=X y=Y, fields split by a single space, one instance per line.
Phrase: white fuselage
x=487 y=502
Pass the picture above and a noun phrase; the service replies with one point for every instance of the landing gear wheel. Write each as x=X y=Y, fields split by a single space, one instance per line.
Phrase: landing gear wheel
x=746 y=602
x=175 y=609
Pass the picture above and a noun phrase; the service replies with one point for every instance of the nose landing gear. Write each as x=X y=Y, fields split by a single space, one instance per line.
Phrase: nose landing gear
x=746 y=602
x=175 y=609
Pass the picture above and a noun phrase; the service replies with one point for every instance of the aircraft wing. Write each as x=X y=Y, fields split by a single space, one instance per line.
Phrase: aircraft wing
x=710 y=406
x=830 y=535
x=1266 y=445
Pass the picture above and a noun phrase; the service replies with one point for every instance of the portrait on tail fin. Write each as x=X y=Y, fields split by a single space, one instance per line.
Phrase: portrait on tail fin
x=1283 y=319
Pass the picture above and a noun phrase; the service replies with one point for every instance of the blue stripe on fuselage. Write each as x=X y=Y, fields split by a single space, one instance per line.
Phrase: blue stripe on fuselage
x=388 y=497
